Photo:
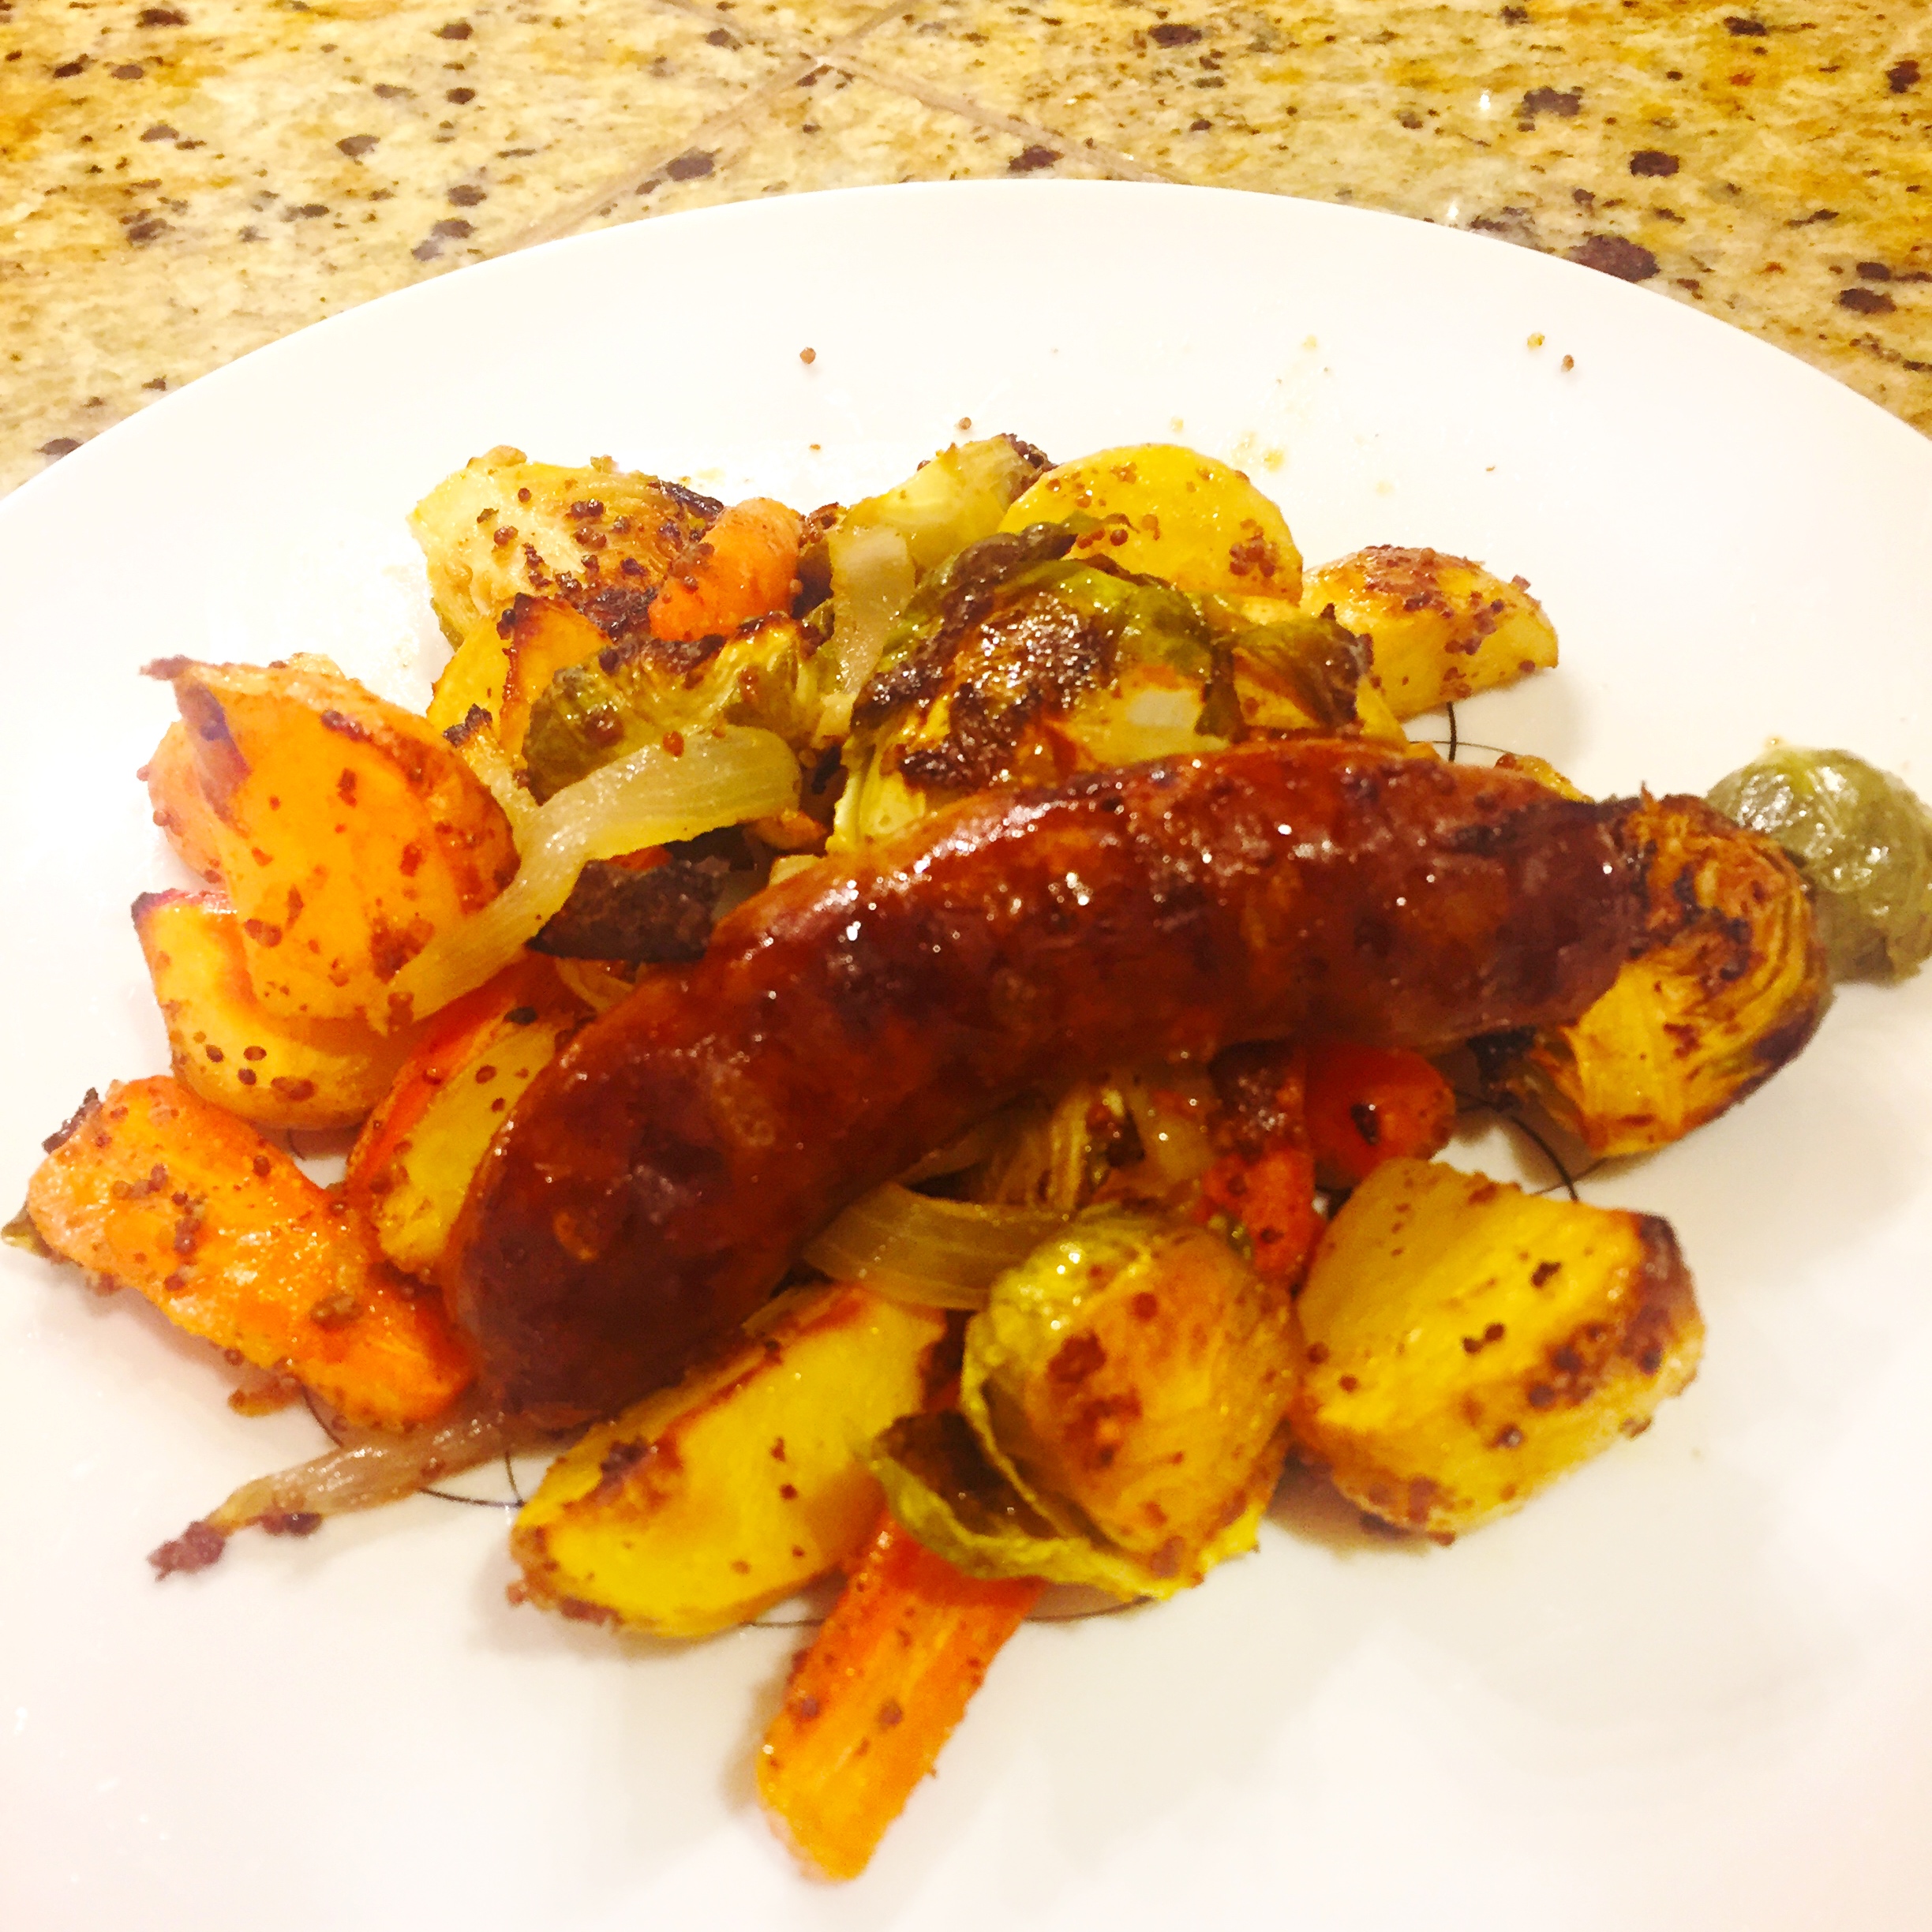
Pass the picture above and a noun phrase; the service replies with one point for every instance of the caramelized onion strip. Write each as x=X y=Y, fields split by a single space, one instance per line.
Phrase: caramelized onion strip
x=940 y=1253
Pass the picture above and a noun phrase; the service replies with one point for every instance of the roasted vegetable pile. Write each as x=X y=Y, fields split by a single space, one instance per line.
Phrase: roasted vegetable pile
x=907 y=1042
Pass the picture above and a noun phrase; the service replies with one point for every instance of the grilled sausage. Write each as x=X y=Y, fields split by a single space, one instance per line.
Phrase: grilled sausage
x=658 y=1179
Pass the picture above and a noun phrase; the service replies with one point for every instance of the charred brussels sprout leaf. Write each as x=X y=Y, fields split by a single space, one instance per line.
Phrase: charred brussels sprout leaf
x=1017 y=662
x=643 y=690
x=879 y=550
x=1864 y=841
x=1729 y=984
x=1129 y=1383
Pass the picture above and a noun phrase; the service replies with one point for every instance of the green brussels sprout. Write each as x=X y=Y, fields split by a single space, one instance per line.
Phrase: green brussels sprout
x=640 y=691
x=1862 y=840
x=1125 y=1387
x=1016 y=663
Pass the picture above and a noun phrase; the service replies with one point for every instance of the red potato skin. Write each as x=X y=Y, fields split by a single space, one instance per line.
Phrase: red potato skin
x=660 y=1176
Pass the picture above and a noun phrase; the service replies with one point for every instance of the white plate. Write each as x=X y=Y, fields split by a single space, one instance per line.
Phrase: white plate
x=1691 y=1688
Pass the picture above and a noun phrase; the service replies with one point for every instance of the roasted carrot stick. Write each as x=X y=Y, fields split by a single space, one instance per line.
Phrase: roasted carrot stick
x=1272 y=1196
x=744 y=568
x=1369 y=1104
x=873 y=1701
x=232 y=1241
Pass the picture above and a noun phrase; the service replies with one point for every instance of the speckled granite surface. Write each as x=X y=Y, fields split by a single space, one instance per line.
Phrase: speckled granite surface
x=182 y=182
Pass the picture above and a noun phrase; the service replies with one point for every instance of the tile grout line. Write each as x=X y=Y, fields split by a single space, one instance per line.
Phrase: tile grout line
x=798 y=61
x=715 y=128
x=1033 y=133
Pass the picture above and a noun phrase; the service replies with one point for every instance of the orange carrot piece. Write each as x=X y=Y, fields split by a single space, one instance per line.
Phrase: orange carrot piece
x=873 y=1701
x=745 y=568
x=1272 y=1196
x=217 y=1227
x=1369 y=1104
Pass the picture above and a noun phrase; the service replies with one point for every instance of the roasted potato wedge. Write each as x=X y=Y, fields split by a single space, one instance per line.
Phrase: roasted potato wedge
x=706 y=1503
x=227 y=1047
x=1439 y=628
x=503 y=527
x=346 y=831
x=158 y=1190
x=1731 y=983
x=1468 y=1343
x=1172 y=513
x=410 y=1167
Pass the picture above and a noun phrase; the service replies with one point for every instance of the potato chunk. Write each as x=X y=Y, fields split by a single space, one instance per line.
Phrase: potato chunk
x=502 y=525
x=1469 y=1343
x=347 y=832
x=228 y=1048
x=706 y=1503
x=1172 y=513
x=1440 y=628
x=226 y=1236
x=1729 y=985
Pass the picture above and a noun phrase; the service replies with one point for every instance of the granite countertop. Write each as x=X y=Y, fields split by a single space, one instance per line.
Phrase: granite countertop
x=180 y=183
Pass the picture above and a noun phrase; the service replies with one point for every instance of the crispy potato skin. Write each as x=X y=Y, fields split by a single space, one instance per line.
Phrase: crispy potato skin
x=410 y=1166
x=180 y=811
x=664 y=1171
x=706 y=1503
x=1469 y=1343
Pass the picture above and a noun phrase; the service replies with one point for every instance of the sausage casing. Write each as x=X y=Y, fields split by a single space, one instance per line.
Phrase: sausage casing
x=658 y=1179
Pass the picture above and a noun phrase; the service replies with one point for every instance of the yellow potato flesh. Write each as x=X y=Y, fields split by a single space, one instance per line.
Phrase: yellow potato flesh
x=1440 y=628
x=1165 y=512
x=1469 y=1343
x=315 y=1074
x=706 y=1503
x=413 y=1201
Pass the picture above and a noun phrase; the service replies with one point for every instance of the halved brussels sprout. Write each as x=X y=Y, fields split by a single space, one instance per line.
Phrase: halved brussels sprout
x=1018 y=662
x=1864 y=841
x=1130 y=1381
x=1730 y=983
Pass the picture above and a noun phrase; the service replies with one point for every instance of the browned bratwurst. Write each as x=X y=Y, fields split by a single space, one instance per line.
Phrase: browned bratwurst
x=658 y=1179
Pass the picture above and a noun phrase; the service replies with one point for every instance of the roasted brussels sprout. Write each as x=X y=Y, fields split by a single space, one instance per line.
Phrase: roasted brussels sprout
x=1864 y=841
x=1728 y=984
x=880 y=548
x=1018 y=662
x=1128 y=1382
x=644 y=690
